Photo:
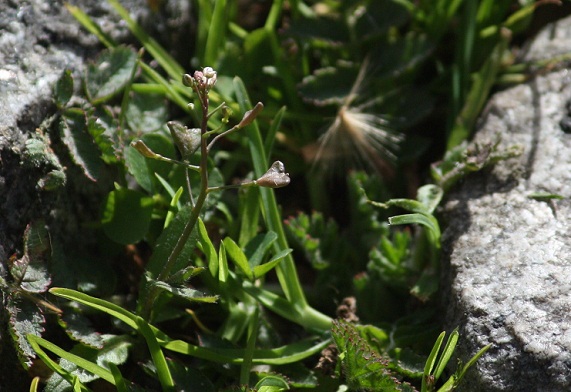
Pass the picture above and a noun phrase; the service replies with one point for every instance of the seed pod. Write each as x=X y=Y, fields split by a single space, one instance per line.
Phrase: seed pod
x=143 y=149
x=275 y=177
x=187 y=140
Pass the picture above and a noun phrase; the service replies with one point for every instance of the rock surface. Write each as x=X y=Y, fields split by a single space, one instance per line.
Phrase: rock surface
x=39 y=39
x=509 y=255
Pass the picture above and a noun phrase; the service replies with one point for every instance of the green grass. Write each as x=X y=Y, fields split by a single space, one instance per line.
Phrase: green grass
x=242 y=271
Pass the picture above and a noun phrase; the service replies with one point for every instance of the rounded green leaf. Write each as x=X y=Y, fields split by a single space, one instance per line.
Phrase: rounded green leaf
x=109 y=73
x=126 y=215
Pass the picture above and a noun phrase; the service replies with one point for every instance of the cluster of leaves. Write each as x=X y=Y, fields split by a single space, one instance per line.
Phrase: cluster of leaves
x=381 y=70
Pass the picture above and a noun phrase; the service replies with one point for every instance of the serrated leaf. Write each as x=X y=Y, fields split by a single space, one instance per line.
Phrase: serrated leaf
x=25 y=318
x=79 y=328
x=185 y=292
x=30 y=271
x=126 y=215
x=83 y=150
x=146 y=113
x=328 y=86
x=377 y=17
x=100 y=132
x=63 y=90
x=109 y=74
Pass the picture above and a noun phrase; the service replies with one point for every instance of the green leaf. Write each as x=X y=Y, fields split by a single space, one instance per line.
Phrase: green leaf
x=146 y=112
x=329 y=85
x=261 y=270
x=115 y=350
x=63 y=90
x=272 y=384
x=79 y=329
x=428 y=221
x=208 y=249
x=430 y=196
x=101 y=128
x=223 y=270
x=239 y=258
x=144 y=170
x=104 y=306
x=109 y=74
x=30 y=271
x=446 y=354
x=159 y=360
x=39 y=343
x=168 y=240
x=83 y=150
x=185 y=292
x=258 y=247
x=126 y=215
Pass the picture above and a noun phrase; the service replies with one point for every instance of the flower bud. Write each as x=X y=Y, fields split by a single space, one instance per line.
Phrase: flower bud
x=186 y=140
x=275 y=177
x=187 y=80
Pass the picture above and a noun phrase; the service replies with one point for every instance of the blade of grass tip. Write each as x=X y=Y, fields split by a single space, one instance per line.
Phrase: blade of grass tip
x=483 y=82
x=90 y=25
x=271 y=136
x=166 y=61
x=34 y=384
x=250 y=346
x=274 y=15
x=203 y=25
x=159 y=360
x=430 y=361
x=216 y=32
x=446 y=354
x=120 y=382
x=96 y=303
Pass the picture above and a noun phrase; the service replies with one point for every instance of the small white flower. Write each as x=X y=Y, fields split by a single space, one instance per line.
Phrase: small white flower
x=209 y=72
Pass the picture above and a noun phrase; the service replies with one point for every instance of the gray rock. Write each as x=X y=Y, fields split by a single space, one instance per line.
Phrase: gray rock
x=508 y=267
x=39 y=39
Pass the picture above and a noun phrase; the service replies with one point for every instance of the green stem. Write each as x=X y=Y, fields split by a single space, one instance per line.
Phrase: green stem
x=171 y=260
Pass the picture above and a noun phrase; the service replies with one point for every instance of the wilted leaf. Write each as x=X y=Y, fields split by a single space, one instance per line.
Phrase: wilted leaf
x=109 y=74
x=126 y=215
